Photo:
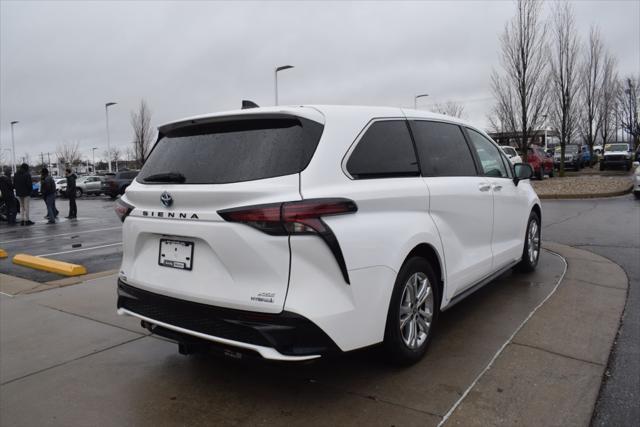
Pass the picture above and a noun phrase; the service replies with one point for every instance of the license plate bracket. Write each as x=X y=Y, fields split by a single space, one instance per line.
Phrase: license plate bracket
x=175 y=253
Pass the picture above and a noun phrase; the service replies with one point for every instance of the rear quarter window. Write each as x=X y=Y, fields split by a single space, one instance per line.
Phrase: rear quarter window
x=384 y=151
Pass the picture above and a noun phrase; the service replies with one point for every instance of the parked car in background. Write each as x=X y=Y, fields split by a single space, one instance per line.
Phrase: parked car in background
x=616 y=155
x=511 y=153
x=88 y=185
x=585 y=157
x=572 y=157
x=116 y=184
x=636 y=180
x=540 y=161
x=35 y=186
x=61 y=187
x=336 y=240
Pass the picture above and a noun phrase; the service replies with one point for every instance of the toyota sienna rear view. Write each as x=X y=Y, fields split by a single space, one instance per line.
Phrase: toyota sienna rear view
x=292 y=233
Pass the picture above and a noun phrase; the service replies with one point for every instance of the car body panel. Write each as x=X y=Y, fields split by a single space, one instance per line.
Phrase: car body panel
x=472 y=227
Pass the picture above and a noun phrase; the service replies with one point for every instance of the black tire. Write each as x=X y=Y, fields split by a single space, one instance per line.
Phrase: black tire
x=540 y=174
x=396 y=348
x=78 y=193
x=602 y=167
x=552 y=173
x=529 y=261
x=637 y=194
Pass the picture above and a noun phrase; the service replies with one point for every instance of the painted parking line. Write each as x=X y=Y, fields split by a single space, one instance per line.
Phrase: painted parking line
x=509 y=340
x=80 y=250
x=61 y=235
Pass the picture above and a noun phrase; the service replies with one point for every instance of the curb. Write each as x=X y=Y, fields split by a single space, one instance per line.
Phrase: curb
x=586 y=195
x=49 y=265
x=14 y=285
x=551 y=371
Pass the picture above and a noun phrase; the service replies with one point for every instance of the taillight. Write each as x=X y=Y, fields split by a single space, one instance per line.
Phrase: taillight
x=122 y=209
x=295 y=218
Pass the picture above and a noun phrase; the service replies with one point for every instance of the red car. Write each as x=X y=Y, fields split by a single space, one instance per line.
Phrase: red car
x=540 y=162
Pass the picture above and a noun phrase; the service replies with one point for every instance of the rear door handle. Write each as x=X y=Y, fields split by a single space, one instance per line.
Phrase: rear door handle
x=484 y=187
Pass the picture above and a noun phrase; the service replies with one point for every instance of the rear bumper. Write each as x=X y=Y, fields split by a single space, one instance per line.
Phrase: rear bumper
x=284 y=336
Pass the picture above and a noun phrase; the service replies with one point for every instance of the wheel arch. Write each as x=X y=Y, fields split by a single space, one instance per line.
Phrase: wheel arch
x=428 y=252
x=536 y=208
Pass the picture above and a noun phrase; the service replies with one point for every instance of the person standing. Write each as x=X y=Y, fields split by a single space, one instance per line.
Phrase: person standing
x=8 y=197
x=23 y=185
x=48 y=190
x=71 y=194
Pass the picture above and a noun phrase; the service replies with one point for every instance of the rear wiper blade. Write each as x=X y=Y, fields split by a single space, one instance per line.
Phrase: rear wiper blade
x=166 y=177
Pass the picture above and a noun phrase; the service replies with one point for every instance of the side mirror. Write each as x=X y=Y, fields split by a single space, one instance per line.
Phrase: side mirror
x=522 y=171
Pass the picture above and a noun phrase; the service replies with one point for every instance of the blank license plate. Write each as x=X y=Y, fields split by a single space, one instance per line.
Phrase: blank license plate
x=176 y=254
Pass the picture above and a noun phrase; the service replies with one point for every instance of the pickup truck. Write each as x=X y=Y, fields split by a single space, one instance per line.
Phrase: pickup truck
x=115 y=185
x=616 y=154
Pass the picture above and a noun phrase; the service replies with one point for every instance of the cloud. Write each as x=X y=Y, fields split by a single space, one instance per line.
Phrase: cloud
x=61 y=61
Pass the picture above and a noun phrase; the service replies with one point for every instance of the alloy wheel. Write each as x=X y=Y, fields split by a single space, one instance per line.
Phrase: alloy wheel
x=533 y=241
x=416 y=310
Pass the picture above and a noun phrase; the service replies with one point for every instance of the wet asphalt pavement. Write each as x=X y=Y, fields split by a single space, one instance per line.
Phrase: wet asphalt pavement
x=93 y=240
x=611 y=228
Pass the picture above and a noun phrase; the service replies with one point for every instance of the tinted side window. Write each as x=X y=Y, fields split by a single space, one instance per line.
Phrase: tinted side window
x=489 y=154
x=442 y=149
x=385 y=150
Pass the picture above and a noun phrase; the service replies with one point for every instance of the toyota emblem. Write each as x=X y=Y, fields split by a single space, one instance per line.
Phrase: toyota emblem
x=166 y=199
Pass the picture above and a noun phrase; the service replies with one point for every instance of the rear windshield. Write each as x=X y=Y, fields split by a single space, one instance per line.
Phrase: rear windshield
x=233 y=151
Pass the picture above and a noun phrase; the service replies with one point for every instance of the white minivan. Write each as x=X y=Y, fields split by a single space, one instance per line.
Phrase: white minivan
x=294 y=232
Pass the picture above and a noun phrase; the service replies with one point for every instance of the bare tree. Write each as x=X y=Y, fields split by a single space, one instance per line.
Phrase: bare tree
x=564 y=75
x=609 y=96
x=69 y=152
x=591 y=83
x=521 y=87
x=629 y=108
x=450 y=108
x=142 y=133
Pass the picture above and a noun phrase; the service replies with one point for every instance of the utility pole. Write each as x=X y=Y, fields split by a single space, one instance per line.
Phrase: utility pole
x=415 y=100
x=106 y=112
x=13 y=147
x=284 y=67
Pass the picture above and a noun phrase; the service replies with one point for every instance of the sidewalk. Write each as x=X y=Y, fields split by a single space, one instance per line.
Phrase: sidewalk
x=550 y=373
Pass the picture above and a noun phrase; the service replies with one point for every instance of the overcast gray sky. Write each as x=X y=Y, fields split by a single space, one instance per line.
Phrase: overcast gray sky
x=61 y=61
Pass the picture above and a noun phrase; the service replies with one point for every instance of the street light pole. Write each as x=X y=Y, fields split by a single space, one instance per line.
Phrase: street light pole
x=284 y=67
x=415 y=100
x=544 y=116
x=13 y=147
x=106 y=111
x=93 y=153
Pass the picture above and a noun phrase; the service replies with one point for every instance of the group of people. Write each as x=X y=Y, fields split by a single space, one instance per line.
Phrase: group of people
x=16 y=194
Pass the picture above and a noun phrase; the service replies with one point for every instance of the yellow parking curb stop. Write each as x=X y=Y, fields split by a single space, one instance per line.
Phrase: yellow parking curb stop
x=3 y=253
x=50 y=265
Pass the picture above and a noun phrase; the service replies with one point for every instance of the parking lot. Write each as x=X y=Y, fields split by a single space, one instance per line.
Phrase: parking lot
x=498 y=357
x=96 y=359
x=521 y=339
x=93 y=240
